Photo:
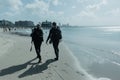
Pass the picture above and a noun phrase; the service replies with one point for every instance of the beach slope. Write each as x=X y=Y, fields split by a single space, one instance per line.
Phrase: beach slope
x=18 y=63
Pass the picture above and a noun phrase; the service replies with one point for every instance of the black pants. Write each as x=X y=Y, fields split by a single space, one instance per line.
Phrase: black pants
x=37 y=45
x=56 y=49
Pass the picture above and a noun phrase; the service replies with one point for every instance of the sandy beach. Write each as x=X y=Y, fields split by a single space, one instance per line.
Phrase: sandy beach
x=18 y=63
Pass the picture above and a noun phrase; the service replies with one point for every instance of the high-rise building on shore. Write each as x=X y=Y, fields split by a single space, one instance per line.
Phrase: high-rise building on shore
x=6 y=23
x=24 y=24
x=46 y=24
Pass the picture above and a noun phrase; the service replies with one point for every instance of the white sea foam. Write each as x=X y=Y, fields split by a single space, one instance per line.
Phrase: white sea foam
x=77 y=64
x=81 y=69
x=103 y=79
x=110 y=29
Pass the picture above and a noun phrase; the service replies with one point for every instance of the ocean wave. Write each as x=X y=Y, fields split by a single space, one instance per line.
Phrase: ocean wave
x=20 y=34
x=82 y=70
x=103 y=79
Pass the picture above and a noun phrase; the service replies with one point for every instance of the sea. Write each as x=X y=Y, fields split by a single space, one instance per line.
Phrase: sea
x=97 y=48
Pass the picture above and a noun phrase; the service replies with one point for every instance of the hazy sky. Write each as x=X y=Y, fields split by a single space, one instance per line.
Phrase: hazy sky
x=74 y=12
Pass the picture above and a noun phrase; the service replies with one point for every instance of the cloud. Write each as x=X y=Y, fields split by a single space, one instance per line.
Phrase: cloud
x=37 y=7
x=87 y=14
x=104 y=2
x=91 y=10
x=10 y=8
x=96 y=7
x=15 y=5
x=60 y=12
x=42 y=9
x=90 y=13
x=114 y=12
x=73 y=7
x=86 y=11
x=82 y=1
x=39 y=10
x=55 y=2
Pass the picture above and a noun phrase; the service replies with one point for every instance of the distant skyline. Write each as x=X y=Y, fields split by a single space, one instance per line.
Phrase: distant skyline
x=74 y=12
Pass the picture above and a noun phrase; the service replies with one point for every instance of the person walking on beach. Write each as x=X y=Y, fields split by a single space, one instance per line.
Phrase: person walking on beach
x=55 y=37
x=37 y=39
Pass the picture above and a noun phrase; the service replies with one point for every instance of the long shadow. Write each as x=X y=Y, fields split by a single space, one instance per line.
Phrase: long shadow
x=36 y=69
x=13 y=69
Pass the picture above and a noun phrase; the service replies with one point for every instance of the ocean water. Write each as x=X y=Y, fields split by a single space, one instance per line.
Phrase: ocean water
x=97 y=49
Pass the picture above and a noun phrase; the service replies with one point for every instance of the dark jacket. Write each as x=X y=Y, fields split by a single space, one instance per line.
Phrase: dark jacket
x=54 y=34
x=37 y=35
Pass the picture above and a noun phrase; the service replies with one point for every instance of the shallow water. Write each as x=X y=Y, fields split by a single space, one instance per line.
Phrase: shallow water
x=97 y=49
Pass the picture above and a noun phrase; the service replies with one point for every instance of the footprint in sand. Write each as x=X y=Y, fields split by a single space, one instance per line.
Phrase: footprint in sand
x=66 y=64
x=76 y=71
x=64 y=71
x=47 y=77
x=50 y=73
x=79 y=73
x=55 y=66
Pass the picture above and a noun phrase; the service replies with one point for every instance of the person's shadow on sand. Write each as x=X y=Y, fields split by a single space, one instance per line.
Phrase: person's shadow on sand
x=36 y=69
x=32 y=70
x=13 y=69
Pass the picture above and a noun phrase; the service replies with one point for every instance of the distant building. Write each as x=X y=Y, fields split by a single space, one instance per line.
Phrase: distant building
x=46 y=24
x=65 y=25
x=24 y=24
x=6 y=23
x=59 y=24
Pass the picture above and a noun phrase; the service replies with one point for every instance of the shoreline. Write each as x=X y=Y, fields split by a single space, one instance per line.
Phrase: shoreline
x=17 y=63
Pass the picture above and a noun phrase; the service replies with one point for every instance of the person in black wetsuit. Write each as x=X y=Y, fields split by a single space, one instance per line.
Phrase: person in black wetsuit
x=55 y=37
x=37 y=39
